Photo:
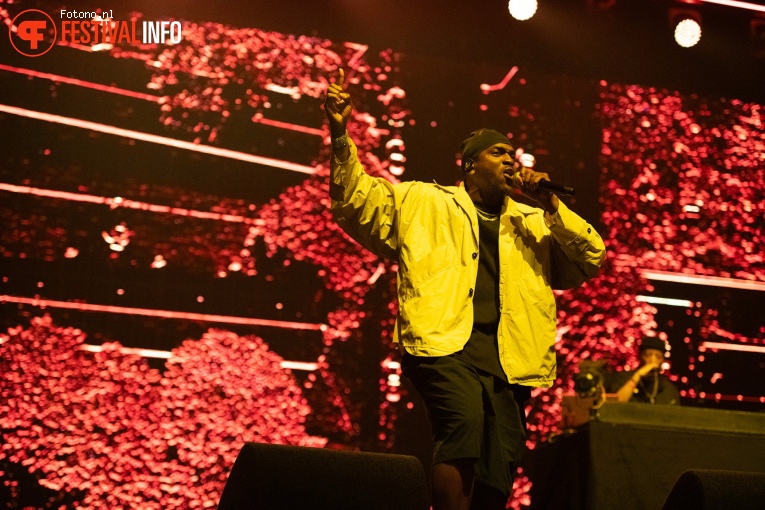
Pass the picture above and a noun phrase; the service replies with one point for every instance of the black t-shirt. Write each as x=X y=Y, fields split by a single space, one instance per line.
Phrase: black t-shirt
x=482 y=350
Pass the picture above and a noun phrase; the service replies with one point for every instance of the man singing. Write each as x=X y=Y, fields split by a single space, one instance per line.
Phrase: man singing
x=647 y=383
x=477 y=315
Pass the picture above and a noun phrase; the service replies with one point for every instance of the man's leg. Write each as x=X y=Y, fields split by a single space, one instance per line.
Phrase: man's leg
x=503 y=439
x=451 y=392
x=488 y=498
x=453 y=484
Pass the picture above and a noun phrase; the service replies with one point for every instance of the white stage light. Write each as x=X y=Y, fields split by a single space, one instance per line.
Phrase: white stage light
x=522 y=9
x=687 y=33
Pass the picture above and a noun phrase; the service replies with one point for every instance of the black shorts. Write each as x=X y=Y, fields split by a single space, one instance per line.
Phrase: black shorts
x=473 y=415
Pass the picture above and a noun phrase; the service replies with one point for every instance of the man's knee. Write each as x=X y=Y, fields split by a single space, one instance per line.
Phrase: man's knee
x=460 y=471
x=486 y=497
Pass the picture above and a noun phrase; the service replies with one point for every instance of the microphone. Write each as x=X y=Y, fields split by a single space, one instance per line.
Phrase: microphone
x=556 y=187
x=526 y=159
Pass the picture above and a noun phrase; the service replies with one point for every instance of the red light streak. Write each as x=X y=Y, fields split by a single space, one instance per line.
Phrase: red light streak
x=711 y=281
x=360 y=50
x=739 y=398
x=153 y=353
x=289 y=91
x=161 y=140
x=486 y=88
x=654 y=300
x=114 y=202
x=81 y=47
x=144 y=353
x=300 y=365
x=733 y=347
x=378 y=272
x=165 y=314
x=288 y=125
x=740 y=5
x=81 y=83
x=147 y=97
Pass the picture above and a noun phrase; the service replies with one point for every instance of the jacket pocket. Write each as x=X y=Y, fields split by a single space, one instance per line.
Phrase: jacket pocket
x=538 y=300
x=438 y=260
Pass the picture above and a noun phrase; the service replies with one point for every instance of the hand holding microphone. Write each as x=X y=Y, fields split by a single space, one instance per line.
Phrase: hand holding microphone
x=651 y=367
x=531 y=180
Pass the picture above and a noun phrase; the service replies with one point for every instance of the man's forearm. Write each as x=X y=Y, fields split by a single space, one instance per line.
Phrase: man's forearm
x=340 y=146
x=551 y=205
x=624 y=394
x=342 y=154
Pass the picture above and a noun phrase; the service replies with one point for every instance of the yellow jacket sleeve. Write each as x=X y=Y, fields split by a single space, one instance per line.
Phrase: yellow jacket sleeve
x=365 y=207
x=578 y=250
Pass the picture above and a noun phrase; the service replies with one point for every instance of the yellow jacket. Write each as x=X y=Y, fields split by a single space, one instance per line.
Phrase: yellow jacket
x=432 y=231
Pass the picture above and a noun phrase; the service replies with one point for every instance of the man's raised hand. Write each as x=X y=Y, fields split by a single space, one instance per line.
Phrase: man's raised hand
x=338 y=106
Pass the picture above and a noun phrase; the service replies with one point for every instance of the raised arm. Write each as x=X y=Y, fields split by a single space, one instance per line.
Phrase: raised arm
x=365 y=207
x=624 y=394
